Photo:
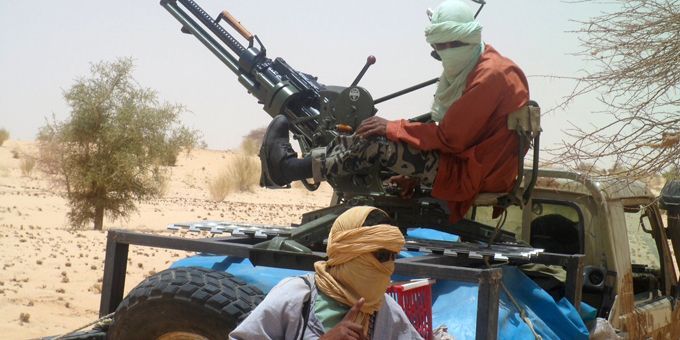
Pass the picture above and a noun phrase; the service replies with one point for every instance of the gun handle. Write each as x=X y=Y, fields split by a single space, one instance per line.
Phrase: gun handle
x=236 y=25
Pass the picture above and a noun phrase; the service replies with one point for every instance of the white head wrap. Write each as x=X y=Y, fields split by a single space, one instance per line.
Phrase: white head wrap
x=453 y=20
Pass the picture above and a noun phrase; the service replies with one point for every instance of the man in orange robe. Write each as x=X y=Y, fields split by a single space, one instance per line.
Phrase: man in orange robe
x=466 y=150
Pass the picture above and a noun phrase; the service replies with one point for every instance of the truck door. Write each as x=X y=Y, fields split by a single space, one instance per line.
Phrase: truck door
x=653 y=275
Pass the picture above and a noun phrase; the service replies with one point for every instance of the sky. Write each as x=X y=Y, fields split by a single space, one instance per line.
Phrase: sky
x=45 y=45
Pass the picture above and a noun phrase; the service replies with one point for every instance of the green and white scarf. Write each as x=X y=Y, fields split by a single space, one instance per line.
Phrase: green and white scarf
x=453 y=20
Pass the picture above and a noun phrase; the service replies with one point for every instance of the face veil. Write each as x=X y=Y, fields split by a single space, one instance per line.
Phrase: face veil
x=352 y=272
x=452 y=21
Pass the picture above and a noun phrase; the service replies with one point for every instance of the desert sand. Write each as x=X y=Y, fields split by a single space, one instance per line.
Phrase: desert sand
x=51 y=273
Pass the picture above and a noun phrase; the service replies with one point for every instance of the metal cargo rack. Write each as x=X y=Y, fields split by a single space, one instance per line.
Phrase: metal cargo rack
x=464 y=262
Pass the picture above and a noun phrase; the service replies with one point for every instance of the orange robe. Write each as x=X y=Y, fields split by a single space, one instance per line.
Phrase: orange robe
x=477 y=151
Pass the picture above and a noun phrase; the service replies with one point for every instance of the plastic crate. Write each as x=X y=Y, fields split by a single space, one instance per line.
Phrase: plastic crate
x=415 y=297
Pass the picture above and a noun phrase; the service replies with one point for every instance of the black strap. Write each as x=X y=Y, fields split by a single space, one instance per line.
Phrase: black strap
x=306 y=306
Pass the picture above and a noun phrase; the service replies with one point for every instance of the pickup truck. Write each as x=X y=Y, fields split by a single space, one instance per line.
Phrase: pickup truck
x=602 y=243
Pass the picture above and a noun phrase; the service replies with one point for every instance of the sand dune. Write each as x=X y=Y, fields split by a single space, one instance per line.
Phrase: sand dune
x=51 y=274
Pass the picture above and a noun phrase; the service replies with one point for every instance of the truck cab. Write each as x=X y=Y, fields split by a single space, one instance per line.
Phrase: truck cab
x=630 y=275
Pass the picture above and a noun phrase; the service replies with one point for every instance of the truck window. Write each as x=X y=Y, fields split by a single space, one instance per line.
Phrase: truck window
x=644 y=255
x=513 y=222
x=555 y=226
x=643 y=249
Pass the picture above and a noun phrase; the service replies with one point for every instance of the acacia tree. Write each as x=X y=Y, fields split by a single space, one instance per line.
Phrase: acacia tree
x=636 y=52
x=111 y=151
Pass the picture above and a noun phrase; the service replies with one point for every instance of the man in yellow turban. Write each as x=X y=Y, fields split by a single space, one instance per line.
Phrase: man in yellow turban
x=345 y=297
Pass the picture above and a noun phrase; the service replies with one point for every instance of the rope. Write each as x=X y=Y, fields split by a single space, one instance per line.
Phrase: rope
x=103 y=321
x=499 y=226
x=522 y=312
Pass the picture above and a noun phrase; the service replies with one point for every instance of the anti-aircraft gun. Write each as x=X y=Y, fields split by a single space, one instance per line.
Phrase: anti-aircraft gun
x=318 y=113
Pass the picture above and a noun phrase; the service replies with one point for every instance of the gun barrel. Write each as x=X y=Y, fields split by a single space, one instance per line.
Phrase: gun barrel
x=277 y=86
x=208 y=21
x=406 y=90
x=202 y=35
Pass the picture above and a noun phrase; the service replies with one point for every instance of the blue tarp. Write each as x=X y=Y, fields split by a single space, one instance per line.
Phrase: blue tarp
x=432 y=235
x=454 y=303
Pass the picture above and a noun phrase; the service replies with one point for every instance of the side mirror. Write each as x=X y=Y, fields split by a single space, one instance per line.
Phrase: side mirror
x=670 y=196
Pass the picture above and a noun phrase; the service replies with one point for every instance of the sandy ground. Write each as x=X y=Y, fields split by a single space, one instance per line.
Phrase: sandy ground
x=51 y=274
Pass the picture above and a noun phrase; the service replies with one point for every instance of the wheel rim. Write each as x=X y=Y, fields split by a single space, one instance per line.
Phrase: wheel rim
x=181 y=336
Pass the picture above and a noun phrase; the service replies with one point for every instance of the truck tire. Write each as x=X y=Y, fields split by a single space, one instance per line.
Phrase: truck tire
x=184 y=303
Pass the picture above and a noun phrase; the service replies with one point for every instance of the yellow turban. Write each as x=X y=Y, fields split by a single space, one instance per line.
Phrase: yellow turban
x=352 y=272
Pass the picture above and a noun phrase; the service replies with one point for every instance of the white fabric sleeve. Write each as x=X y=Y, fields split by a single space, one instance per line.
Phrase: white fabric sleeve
x=392 y=323
x=278 y=316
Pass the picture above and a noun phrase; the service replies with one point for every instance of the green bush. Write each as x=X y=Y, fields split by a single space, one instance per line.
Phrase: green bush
x=110 y=152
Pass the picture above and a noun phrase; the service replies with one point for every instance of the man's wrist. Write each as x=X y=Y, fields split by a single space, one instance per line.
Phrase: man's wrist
x=392 y=131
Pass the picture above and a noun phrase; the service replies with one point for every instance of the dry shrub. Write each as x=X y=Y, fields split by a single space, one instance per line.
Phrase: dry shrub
x=257 y=134
x=4 y=135
x=250 y=146
x=219 y=187
x=242 y=173
x=27 y=165
x=163 y=185
x=95 y=288
x=252 y=141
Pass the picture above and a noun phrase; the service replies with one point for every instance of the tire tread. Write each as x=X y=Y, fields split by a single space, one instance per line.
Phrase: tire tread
x=219 y=291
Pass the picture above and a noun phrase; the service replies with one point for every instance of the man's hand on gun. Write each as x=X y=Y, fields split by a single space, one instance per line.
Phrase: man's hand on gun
x=348 y=328
x=372 y=126
x=407 y=185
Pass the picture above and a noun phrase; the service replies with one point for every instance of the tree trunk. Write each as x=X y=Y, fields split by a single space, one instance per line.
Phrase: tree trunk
x=98 y=216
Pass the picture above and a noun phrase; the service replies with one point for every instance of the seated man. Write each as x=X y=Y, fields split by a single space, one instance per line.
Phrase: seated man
x=345 y=298
x=468 y=148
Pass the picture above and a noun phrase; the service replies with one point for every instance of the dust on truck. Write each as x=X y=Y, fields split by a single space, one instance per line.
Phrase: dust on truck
x=567 y=249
